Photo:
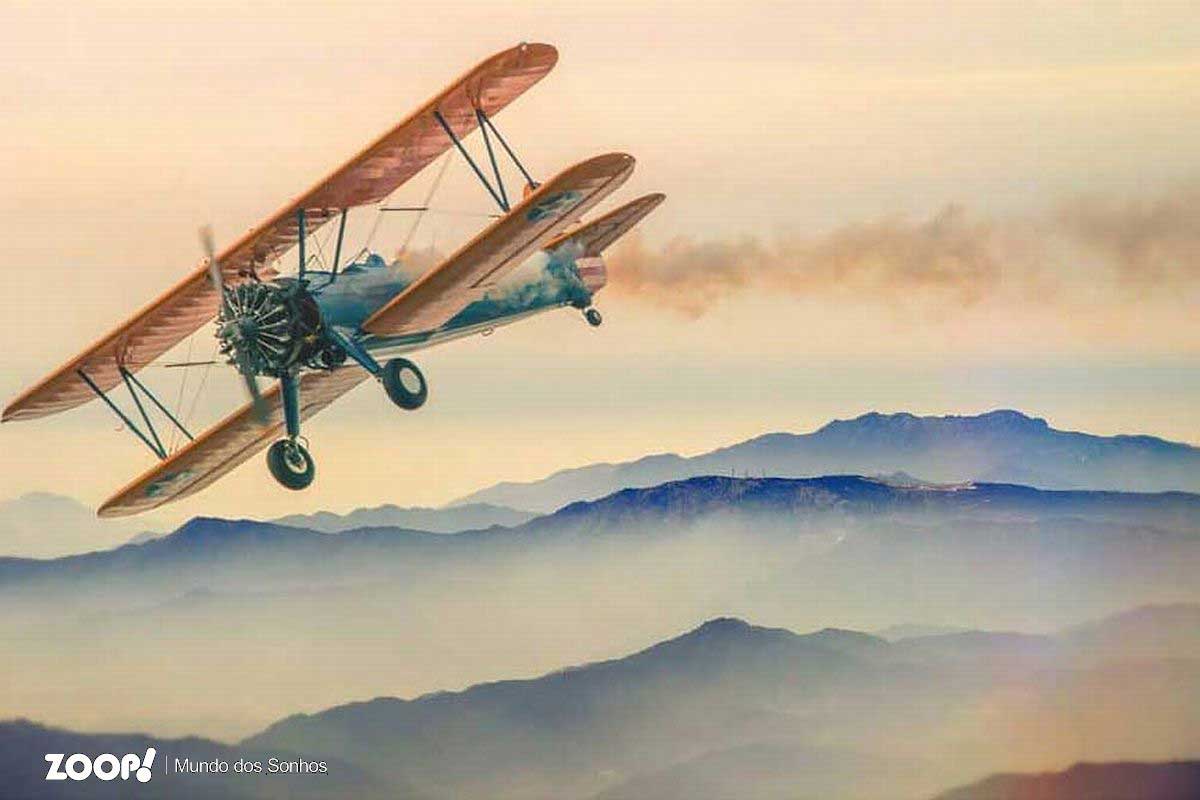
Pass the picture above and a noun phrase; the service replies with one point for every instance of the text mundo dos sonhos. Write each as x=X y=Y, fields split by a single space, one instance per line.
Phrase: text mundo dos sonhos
x=248 y=766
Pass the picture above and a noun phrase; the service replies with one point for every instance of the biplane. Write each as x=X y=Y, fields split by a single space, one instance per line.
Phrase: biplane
x=319 y=332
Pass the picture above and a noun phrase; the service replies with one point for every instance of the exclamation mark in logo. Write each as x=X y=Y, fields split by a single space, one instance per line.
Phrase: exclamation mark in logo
x=143 y=773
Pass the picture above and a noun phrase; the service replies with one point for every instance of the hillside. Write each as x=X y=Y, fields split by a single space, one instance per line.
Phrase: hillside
x=1176 y=780
x=730 y=707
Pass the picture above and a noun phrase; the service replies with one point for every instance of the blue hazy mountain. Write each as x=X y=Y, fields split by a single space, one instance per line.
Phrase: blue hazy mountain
x=998 y=447
x=731 y=709
x=590 y=729
x=866 y=531
x=1175 y=780
x=727 y=709
x=226 y=551
x=241 y=622
x=467 y=517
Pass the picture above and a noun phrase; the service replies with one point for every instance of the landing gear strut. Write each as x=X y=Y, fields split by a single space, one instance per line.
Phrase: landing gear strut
x=288 y=461
x=404 y=384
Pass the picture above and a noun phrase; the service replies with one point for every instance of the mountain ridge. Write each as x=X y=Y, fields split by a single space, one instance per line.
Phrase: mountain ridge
x=451 y=519
x=681 y=499
x=1001 y=446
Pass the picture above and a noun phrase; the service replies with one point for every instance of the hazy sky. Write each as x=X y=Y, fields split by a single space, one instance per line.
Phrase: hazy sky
x=940 y=208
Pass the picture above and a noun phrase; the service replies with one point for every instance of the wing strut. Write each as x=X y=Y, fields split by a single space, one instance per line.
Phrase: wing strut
x=337 y=252
x=486 y=123
x=150 y=436
x=497 y=192
x=300 y=225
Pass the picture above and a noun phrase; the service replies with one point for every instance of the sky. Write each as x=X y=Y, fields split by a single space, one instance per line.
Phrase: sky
x=928 y=207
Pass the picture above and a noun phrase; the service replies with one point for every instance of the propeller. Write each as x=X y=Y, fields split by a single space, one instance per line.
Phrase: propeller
x=218 y=283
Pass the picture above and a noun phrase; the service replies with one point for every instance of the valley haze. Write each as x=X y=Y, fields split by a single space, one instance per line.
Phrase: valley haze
x=733 y=709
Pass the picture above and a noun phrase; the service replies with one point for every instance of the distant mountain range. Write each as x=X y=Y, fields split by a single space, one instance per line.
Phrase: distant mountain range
x=997 y=447
x=729 y=709
x=44 y=525
x=466 y=517
x=1175 y=780
x=386 y=609
x=735 y=710
x=238 y=555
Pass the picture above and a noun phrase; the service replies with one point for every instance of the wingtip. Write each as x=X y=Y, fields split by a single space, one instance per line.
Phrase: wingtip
x=112 y=508
x=537 y=53
x=11 y=413
x=617 y=161
x=538 y=47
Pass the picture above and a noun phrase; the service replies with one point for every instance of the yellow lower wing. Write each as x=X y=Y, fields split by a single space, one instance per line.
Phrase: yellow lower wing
x=227 y=444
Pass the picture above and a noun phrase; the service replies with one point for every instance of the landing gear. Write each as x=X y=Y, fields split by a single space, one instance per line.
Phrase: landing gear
x=404 y=384
x=288 y=461
x=290 y=464
x=593 y=317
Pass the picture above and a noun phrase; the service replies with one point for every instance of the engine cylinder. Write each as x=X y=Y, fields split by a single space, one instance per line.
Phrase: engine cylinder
x=269 y=328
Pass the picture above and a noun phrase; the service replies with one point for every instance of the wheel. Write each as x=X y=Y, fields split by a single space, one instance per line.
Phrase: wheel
x=404 y=384
x=290 y=464
x=593 y=317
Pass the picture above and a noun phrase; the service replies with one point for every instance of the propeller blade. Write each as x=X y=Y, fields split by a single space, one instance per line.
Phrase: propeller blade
x=214 y=267
x=260 y=405
x=218 y=283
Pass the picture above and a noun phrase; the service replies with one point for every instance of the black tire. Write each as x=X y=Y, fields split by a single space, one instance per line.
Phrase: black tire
x=593 y=317
x=291 y=465
x=404 y=384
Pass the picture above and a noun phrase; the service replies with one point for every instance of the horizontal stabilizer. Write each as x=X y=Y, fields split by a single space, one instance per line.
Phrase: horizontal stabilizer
x=595 y=236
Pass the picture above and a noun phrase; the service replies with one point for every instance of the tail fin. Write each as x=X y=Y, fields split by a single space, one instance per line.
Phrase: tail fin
x=591 y=239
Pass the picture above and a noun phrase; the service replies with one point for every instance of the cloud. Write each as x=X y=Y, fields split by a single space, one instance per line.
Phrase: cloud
x=953 y=258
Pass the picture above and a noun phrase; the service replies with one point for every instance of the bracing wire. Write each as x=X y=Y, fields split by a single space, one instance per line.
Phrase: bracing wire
x=174 y=436
x=187 y=419
x=437 y=182
x=374 y=229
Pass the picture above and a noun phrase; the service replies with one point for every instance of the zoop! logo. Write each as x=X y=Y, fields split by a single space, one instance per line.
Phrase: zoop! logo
x=105 y=766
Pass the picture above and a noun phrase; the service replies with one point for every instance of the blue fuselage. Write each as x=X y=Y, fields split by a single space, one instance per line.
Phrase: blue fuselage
x=544 y=281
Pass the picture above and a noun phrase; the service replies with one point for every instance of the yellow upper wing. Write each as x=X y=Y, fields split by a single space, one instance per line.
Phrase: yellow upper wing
x=373 y=174
x=227 y=444
x=439 y=294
